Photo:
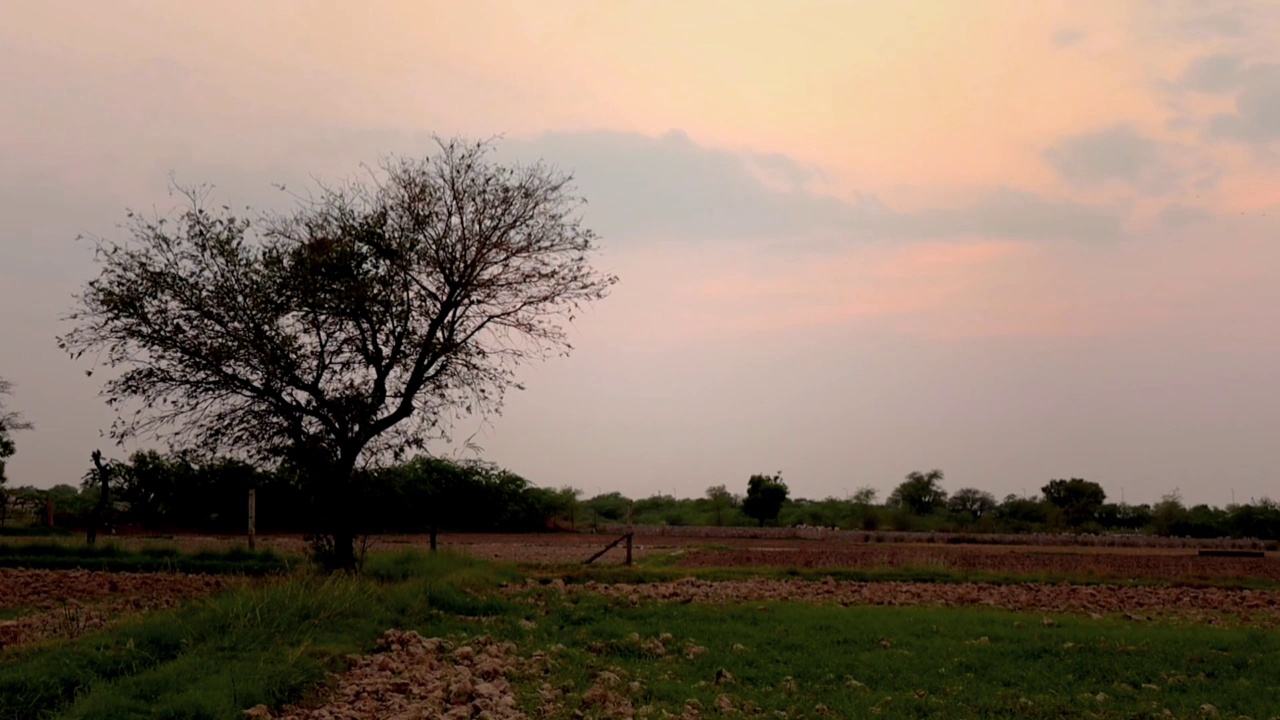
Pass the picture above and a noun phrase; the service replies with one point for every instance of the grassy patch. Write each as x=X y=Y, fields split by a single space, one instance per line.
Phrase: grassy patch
x=909 y=662
x=218 y=656
x=272 y=643
x=112 y=558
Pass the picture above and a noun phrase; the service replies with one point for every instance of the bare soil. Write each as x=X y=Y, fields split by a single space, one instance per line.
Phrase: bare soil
x=1211 y=605
x=44 y=604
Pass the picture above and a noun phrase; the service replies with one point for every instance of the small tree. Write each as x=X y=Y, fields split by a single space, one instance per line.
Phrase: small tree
x=973 y=502
x=921 y=493
x=765 y=496
x=865 y=495
x=1078 y=499
x=348 y=332
x=721 y=501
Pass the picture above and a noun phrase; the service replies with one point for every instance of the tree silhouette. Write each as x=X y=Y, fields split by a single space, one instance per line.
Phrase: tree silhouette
x=921 y=493
x=973 y=501
x=347 y=332
x=1078 y=499
x=11 y=421
x=765 y=497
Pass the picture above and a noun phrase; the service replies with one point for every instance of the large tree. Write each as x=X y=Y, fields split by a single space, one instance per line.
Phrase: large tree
x=1077 y=498
x=921 y=493
x=348 y=331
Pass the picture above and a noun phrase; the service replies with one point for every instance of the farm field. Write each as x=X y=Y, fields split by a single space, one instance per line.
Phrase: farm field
x=37 y=605
x=1094 y=563
x=504 y=626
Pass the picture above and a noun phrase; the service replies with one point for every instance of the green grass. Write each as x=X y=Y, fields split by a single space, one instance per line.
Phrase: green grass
x=272 y=643
x=916 y=662
x=113 y=558
x=218 y=656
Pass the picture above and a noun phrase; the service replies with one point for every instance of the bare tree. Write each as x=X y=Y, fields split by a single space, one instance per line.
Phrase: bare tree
x=352 y=330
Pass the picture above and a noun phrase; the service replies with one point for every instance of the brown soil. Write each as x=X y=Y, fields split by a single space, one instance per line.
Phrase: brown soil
x=43 y=604
x=1136 y=603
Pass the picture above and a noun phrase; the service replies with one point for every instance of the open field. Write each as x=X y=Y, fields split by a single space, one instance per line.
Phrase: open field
x=450 y=636
x=781 y=632
x=38 y=605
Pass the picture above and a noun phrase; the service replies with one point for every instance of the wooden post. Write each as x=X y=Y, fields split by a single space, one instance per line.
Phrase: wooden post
x=253 y=517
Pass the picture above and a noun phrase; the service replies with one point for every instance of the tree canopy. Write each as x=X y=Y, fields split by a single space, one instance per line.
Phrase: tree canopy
x=347 y=332
x=765 y=496
x=921 y=493
x=1078 y=499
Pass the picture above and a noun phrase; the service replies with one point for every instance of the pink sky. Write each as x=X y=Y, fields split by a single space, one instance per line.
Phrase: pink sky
x=1015 y=241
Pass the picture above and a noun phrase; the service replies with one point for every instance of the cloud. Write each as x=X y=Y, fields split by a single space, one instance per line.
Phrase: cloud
x=1177 y=216
x=1068 y=37
x=671 y=186
x=1118 y=153
x=1256 y=119
x=1217 y=73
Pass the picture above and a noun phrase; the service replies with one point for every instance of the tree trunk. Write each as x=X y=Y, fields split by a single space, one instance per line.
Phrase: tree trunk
x=344 y=550
x=336 y=514
x=104 y=497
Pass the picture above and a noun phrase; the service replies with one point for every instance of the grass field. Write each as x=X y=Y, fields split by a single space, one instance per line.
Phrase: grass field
x=272 y=641
x=112 y=557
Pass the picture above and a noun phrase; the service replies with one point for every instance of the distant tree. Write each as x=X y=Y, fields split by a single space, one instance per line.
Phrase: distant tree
x=865 y=495
x=610 y=506
x=921 y=493
x=972 y=501
x=1168 y=512
x=765 y=497
x=1021 y=513
x=1078 y=499
x=721 y=501
x=10 y=422
x=565 y=502
x=345 y=334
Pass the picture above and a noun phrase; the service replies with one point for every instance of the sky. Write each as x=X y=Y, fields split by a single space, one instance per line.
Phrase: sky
x=1015 y=241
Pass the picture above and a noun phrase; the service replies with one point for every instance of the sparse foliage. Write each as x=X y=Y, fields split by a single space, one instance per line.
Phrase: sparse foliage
x=722 y=501
x=865 y=495
x=348 y=332
x=972 y=501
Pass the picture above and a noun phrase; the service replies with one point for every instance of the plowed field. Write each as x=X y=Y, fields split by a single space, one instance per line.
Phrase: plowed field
x=40 y=604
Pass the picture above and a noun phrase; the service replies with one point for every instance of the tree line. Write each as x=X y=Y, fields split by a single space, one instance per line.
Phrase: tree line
x=178 y=493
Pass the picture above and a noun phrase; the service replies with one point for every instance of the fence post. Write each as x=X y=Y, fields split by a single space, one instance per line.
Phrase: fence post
x=253 y=517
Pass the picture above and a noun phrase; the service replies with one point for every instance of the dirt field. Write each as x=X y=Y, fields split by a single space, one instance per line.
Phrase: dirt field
x=41 y=604
x=1089 y=561
x=1257 y=607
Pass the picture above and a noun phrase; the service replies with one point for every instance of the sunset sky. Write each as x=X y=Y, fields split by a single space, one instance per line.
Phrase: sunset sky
x=1012 y=240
